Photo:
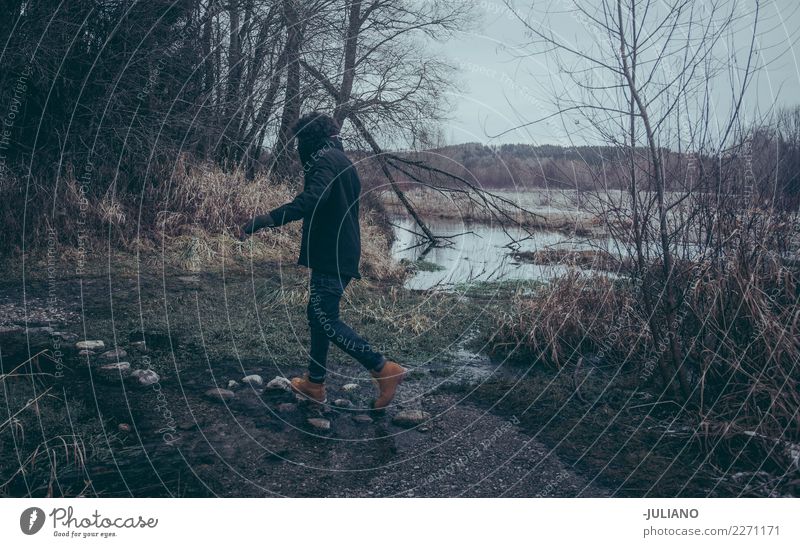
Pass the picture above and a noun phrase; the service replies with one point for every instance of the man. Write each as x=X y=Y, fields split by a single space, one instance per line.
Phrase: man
x=331 y=248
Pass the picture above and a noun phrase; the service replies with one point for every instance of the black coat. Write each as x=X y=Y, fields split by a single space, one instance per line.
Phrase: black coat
x=328 y=206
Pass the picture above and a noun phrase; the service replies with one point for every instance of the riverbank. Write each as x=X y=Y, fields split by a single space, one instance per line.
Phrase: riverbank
x=199 y=332
x=464 y=423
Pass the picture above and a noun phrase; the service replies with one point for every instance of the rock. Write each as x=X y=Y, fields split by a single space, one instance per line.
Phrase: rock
x=253 y=380
x=140 y=345
x=411 y=418
x=90 y=344
x=286 y=408
x=136 y=373
x=67 y=336
x=145 y=377
x=343 y=403
x=86 y=352
x=124 y=428
x=320 y=424
x=114 y=354
x=350 y=387
x=219 y=394
x=279 y=382
x=362 y=419
x=115 y=370
x=233 y=384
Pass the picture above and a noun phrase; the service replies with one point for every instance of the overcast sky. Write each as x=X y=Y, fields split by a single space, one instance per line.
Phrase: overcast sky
x=498 y=91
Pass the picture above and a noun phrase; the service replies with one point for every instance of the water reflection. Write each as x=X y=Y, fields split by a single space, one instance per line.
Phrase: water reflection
x=481 y=254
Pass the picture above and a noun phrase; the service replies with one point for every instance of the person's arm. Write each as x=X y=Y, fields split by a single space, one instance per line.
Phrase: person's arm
x=257 y=223
x=317 y=189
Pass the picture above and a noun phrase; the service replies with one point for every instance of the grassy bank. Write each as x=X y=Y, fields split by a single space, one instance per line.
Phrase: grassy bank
x=739 y=341
x=185 y=222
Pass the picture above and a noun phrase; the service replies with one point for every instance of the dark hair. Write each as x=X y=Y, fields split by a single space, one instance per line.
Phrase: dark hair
x=315 y=127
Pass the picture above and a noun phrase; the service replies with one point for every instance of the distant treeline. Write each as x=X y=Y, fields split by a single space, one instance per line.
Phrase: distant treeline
x=517 y=166
x=521 y=165
x=768 y=163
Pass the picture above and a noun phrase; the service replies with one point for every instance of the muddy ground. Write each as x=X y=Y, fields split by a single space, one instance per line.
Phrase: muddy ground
x=489 y=428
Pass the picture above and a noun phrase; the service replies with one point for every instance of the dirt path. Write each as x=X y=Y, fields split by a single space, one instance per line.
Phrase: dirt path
x=172 y=439
x=459 y=451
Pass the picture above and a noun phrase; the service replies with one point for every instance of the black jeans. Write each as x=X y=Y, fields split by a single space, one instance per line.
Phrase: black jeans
x=323 y=320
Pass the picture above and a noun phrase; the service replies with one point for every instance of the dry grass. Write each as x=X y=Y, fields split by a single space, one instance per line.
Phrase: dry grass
x=185 y=222
x=743 y=335
x=42 y=454
x=204 y=204
x=572 y=316
x=739 y=335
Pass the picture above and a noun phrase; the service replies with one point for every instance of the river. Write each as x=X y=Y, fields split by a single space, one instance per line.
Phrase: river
x=480 y=254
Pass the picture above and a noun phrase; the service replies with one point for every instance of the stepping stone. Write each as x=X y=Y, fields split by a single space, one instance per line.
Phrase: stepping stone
x=411 y=418
x=67 y=336
x=115 y=370
x=320 y=424
x=90 y=344
x=350 y=387
x=85 y=352
x=232 y=384
x=279 y=383
x=140 y=345
x=253 y=380
x=362 y=419
x=342 y=403
x=145 y=377
x=219 y=394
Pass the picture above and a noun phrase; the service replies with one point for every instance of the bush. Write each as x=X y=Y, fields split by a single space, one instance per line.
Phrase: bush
x=738 y=332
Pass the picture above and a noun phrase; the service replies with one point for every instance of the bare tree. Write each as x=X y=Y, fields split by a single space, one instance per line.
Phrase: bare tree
x=641 y=80
x=382 y=83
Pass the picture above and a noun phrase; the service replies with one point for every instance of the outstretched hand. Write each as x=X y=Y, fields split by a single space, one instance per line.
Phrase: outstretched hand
x=252 y=226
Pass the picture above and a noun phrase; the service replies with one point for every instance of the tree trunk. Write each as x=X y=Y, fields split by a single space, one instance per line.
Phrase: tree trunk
x=667 y=261
x=256 y=134
x=348 y=73
x=282 y=157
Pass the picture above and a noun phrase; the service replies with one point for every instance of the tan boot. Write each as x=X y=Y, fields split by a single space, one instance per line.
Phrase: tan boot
x=308 y=389
x=390 y=376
